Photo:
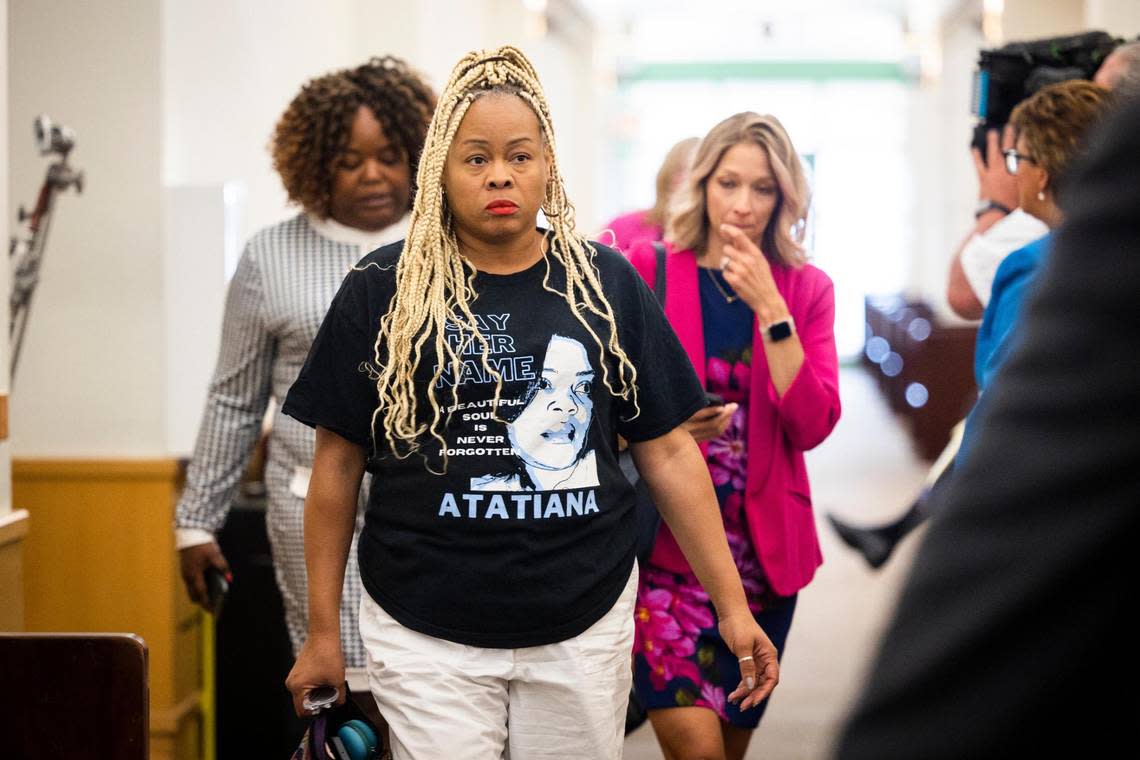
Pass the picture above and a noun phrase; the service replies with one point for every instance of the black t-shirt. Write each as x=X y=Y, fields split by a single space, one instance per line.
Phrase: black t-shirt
x=528 y=537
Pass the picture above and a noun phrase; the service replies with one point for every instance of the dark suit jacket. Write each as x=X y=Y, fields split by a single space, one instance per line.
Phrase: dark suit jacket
x=1013 y=634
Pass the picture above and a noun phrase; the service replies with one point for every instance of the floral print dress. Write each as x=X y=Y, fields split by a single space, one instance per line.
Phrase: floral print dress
x=679 y=657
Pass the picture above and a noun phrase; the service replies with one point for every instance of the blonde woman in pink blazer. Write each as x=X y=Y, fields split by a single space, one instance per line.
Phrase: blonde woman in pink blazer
x=757 y=322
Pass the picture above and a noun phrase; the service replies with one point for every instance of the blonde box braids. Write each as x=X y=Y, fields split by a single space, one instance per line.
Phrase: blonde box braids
x=435 y=283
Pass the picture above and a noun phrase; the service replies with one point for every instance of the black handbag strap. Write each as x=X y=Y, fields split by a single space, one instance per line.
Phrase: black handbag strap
x=659 y=277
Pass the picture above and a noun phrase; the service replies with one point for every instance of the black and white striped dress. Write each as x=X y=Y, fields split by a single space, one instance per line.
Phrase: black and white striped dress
x=284 y=283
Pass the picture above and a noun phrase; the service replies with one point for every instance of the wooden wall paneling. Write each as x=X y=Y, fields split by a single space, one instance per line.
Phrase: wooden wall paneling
x=100 y=556
x=13 y=530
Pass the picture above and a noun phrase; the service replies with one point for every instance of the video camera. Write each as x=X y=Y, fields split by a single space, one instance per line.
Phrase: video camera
x=1011 y=73
x=53 y=138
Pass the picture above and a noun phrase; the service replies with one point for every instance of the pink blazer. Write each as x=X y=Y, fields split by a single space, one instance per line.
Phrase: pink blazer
x=780 y=430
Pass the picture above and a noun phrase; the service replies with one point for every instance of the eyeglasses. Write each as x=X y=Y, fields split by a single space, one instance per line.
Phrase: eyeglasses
x=1012 y=157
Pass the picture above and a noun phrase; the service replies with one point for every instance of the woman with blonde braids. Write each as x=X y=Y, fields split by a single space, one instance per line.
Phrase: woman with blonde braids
x=482 y=371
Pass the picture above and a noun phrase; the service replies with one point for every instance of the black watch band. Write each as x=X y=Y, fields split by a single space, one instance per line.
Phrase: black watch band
x=984 y=207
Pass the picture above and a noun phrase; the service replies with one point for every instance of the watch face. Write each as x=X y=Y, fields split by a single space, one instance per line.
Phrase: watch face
x=779 y=331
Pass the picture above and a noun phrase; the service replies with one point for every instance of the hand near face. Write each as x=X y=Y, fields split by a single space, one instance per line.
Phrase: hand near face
x=747 y=270
x=994 y=182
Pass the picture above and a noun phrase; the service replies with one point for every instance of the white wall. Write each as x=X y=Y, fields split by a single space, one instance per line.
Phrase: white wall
x=564 y=58
x=945 y=185
x=200 y=254
x=1029 y=19
x=1120 y=17
x=565 y=62
x=229 y=71
x=91 y=372
x=231 y=68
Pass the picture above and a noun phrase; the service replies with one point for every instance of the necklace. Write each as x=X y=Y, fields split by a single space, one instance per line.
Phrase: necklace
x=727 y=297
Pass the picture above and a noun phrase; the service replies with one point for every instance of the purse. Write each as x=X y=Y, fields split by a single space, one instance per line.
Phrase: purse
x=341 y=732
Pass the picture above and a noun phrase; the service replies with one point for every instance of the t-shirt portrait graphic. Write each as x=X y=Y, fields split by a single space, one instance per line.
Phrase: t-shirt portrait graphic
x=549 y=431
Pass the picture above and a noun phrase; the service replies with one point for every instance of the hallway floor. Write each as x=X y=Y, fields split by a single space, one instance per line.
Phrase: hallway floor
x=866 y=472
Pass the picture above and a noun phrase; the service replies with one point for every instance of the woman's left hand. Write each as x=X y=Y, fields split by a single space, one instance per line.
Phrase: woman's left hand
x=759 y=668
x=747 y=270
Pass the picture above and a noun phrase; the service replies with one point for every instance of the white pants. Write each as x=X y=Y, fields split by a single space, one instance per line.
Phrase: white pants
x=448 y=700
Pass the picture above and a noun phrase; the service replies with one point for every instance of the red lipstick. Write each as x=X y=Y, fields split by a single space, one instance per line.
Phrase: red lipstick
x=502 y=207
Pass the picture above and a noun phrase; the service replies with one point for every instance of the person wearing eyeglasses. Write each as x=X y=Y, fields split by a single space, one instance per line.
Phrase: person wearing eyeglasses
x=1001 y=226
x=1047 y=131
x=1011 y=638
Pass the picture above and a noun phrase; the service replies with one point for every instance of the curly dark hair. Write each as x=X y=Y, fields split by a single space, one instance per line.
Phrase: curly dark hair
x=315 y=128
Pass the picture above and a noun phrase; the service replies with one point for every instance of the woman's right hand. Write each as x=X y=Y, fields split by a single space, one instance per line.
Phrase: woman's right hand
x=758 y=658
x=994 y=182
x=710 y=422
x=320 y=663
x=193 y=562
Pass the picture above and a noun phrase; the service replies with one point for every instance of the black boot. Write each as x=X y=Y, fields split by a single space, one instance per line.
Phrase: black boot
x=877 y=542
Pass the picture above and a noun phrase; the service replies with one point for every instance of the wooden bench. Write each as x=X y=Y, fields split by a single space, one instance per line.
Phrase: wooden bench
x=80 y=696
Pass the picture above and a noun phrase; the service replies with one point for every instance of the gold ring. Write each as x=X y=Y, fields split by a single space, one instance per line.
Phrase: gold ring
x=745 y=658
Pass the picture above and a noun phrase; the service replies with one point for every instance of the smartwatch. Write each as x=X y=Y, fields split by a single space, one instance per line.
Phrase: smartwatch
x=986 y=206
x=780 y=330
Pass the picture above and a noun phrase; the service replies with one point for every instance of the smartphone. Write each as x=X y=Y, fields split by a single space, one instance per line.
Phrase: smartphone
x=713 y=399
x=216 y=588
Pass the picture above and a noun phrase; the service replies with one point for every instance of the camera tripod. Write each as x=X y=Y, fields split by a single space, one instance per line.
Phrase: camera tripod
x=26 y=253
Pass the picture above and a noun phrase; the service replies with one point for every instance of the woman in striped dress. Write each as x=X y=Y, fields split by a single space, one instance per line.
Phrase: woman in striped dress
x=346 y=149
